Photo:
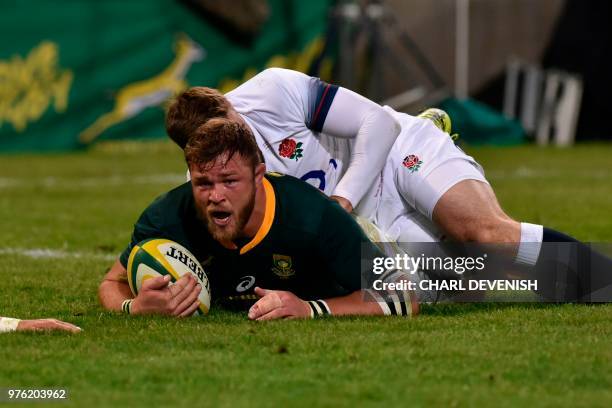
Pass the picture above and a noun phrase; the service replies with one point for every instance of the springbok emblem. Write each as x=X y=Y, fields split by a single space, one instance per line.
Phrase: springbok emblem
x=136 y=97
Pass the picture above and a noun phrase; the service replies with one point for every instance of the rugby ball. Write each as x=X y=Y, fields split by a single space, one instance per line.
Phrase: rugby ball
x=157 y=257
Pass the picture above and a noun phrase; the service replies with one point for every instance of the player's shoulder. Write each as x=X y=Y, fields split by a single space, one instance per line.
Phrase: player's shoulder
x=269 y=83
x=280 y=74
x=305 y=210
x=180 y=194
x=170 y=207
x=293 y=189
x=405 y=120
x=299 y=204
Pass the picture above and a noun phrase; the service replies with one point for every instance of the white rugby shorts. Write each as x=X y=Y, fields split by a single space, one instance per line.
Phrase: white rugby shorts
x=424 y=163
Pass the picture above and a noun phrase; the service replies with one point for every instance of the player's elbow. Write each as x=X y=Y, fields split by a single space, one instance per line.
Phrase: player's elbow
x=383 y=120
x=113 y=287
x=102 y=294
x=482 y=235
x=397 y=128
x=104 y=289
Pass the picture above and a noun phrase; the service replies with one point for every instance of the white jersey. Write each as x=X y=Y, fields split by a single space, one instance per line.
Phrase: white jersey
x=305 y=132
x=393 y=167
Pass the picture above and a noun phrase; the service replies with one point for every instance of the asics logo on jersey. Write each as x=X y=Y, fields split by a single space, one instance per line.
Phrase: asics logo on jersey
x=246 y=283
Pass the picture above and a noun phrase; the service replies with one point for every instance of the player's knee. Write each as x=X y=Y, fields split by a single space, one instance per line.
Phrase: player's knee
x=485 y=233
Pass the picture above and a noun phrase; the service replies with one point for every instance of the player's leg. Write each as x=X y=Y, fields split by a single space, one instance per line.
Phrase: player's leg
x=452 y=190
x=566 y=269
x=423 y=165
x=437 y=179
x=469 y=211
x=449 y=188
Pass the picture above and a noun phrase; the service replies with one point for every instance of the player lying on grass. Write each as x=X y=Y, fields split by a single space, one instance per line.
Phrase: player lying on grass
x=429 y=190
x=256 y=235
x=8 y=324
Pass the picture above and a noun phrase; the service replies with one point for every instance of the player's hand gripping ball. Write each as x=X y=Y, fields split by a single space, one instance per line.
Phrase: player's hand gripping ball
x=158 y=257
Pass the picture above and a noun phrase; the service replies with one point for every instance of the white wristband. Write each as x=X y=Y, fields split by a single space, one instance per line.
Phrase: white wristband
x=126 y=306
x=8 y=324
x=318 y=308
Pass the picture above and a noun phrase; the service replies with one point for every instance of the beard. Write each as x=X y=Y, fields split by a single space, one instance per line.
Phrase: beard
x=232 y=230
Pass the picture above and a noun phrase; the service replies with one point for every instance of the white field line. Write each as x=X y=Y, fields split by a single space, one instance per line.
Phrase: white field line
x=51 y=253
x=520 y=172
x=91 y=182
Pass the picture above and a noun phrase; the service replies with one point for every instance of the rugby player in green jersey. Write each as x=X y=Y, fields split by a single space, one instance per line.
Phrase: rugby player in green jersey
x=270 y=244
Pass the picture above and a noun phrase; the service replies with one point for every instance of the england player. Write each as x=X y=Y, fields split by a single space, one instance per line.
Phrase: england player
x=8 y=324
x=429 y=189
x=328 y=136
x=306 y=127
x=257 y=235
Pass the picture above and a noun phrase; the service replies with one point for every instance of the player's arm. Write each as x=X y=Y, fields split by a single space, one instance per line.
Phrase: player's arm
x=295 y=98
x=374 y=129
x=8 y=324
x=340 y=241
x=342 y=244
x=155 y=297
x=278 y=304
x=114 y=288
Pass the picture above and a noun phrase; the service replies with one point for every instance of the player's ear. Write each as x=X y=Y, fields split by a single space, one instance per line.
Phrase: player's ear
x=260 y=170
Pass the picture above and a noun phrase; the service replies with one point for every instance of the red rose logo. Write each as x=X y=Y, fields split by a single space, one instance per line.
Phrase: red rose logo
x=287 y=147
x=291 y=149
x=412 y=163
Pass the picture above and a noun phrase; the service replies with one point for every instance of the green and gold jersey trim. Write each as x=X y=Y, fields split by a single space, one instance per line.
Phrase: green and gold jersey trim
x=268 y=219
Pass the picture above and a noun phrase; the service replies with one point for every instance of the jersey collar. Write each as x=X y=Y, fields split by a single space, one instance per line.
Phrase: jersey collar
x=266 y=224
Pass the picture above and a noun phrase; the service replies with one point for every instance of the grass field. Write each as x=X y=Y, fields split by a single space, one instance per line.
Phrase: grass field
x=64 y=218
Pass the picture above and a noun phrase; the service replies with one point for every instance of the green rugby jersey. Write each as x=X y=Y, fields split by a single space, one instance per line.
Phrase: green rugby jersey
x=307 y=244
